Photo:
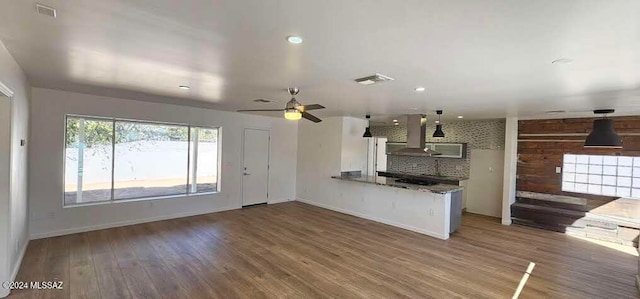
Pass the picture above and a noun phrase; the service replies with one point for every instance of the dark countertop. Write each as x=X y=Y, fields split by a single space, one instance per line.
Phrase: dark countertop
x=449 y=180
x=392 y=182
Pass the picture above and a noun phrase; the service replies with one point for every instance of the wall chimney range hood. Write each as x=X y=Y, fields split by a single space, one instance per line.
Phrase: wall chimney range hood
x=416 y=134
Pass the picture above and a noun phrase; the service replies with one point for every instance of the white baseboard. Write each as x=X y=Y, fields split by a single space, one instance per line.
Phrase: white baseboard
x=14 y=272
x=376 y=219
x=16 y=267
x=506 y=221
x=278 y=201
x=75 y=230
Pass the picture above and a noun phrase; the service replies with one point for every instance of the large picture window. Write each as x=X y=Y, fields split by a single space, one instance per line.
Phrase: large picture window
x=112 y=159
x=602 y=175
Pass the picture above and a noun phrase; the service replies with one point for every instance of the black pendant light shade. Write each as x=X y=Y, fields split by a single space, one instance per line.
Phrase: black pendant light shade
x=367 y=131
x=603 y=134
x=438 y=133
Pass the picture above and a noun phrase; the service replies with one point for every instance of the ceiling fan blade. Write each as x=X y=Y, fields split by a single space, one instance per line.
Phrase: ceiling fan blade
x=258 y=110
x=310 y=107
x=311 y=117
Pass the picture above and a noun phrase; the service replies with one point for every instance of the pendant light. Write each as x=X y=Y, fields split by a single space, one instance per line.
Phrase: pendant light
x=367 y=131
x=438 y=133
x=603 y=134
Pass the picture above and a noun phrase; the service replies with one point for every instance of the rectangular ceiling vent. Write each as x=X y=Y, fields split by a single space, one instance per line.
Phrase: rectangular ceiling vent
x=377 y=78
x=46 y=10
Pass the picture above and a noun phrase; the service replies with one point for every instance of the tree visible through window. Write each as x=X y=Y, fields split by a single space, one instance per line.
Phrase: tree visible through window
x=112 y=159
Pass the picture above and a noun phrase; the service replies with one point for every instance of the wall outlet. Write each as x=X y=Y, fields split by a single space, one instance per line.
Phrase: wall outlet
x=558 y=169
x=393 y=204
x=414 y=164
x=458 y=167
x=431 y=212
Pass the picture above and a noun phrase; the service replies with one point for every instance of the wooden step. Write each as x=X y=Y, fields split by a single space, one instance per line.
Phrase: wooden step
x=551 y=227
x=552 y=204
x=553 y=198
x=572 y=222
x=530 y=208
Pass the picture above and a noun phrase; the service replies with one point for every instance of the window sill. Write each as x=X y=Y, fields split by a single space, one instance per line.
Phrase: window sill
x=116 y=201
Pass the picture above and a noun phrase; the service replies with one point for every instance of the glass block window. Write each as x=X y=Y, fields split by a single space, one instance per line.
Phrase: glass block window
x=602 y=175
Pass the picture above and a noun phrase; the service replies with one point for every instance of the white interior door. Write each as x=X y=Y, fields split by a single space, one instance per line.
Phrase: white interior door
x=255 y=179
x=484 y=188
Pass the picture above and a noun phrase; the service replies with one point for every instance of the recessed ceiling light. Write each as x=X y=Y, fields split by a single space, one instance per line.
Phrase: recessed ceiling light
x=294 y=39
x=395 y=120
x=460 y=116
x=419 y=89
x=437 y=121
x=185 y=87
x=562 y=61
x=395 y=124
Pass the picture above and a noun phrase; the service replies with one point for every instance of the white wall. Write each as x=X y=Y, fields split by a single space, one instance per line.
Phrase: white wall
x=13 y=208
x=354 y=146
x=49 y=107
x=319 y=157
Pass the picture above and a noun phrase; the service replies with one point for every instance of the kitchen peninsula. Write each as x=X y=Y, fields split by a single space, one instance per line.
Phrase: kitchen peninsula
x=431 y=209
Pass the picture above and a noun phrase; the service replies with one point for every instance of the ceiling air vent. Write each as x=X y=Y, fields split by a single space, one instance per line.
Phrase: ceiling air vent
x=377 y=78
x=46 y=10
x=262 y=101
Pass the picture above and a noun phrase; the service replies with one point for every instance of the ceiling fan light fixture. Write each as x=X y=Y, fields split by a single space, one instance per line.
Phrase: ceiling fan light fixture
x=292 y=114
x=603 y=134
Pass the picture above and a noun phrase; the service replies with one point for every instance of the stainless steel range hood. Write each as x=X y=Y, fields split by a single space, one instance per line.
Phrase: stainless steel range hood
x=416 y=132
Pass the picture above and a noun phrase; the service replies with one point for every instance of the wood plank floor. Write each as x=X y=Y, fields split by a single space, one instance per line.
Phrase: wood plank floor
x=296 y=250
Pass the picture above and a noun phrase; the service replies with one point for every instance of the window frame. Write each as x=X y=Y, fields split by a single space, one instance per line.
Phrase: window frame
x=113 y=120
x=601 y=174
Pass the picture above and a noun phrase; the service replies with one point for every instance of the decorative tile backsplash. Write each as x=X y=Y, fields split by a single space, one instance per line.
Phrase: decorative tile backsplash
x=484 y=134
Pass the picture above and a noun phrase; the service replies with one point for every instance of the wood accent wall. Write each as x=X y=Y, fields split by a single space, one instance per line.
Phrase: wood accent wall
x=542 y=143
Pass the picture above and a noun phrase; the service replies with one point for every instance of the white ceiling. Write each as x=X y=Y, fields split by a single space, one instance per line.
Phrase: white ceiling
x=477 y=58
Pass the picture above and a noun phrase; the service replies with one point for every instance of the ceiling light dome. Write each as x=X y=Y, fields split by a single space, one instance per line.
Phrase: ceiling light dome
x=294 y=39
x=292 y=114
